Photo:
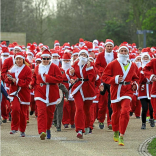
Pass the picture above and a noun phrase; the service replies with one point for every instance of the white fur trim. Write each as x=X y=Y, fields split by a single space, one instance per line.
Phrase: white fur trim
x=84 y=51
x=109 y=43
x=153 y=96
x=19 y=56
x=38 y=59
x=75 y=54
x=55 y=54
x=97 y=77
x=2 y=54
x=17 y=81
x=29 y=52
x=151 y=77
x=90 y=68
x=45 y=55
x=136 y=85
x=141 y=97
x=121 y=98
x=116 y=79
x=123 y=47
x=17 y=47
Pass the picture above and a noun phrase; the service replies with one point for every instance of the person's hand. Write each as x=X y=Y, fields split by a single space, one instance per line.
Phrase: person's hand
x=72 y=81
x=30 y=86
x=32 y=70
x=120 y=79
x=134 y=87
x=88 y=64
x=10 y=78
x=154 y=78
x=72 y=71
x=13 y=80
x=65 y=99
x=101 y=87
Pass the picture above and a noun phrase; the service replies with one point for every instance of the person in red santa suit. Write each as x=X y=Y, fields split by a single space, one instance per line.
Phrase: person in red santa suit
x=83 y=91
x=150 y=73
x=144 y=92
x=135 y=103
x=103 y=59
x=69 y=106
x=4 y=103
x=121 y=75
x=19 y=77
x=55 y=58
x=45 y=82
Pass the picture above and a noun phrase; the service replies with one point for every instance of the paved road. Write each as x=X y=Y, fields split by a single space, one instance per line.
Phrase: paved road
x=65 y=143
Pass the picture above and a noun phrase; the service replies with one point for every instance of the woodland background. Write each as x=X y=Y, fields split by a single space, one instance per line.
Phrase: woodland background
x=69 y=20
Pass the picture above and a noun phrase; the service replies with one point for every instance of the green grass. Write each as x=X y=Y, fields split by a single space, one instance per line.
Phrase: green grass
x=152 y=147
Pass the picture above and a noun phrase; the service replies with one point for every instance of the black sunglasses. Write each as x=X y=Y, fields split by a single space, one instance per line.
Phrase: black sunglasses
x=45 y=58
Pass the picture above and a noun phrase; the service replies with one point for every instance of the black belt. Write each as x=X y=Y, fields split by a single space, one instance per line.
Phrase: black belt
x=125 y=83
x=41 y=84
x=65 y=81
x=79 y=79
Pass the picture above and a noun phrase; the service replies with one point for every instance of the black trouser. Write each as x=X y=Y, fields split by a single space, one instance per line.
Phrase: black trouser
x=107 y=88
x=146 y=103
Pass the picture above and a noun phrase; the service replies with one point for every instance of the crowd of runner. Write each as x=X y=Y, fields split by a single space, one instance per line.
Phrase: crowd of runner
x=73 y=85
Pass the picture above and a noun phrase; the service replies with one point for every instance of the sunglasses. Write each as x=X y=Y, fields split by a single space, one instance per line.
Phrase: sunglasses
x=45 y=58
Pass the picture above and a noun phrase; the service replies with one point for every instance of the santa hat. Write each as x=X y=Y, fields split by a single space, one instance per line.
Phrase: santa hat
x=133 y=45
x=96 y=42
x=75 y=51
x=15 y=43
x=130 y=46
x=3 y=44
x=91 y=57
x=126 y=43
x=123 y=46
x=45 y=47
x=66 y=45
x=18 y=47
x=5 y=51
x=11 y=53
x=54 y=52
x=38 y=58
x=76 y=45
x=28 y=45
x=35 y=44
x=145 y=54
x=101 y=45
x=57 y=48
x=81 y=41
x=23 y=47
x=89 y=46
x=20 y=54
x=109 y=41
x=11 y=47
x=32 y=50
x=56 y=43
x=66 y=56
x=46 y=53
x=40 y=44
x=84 y=50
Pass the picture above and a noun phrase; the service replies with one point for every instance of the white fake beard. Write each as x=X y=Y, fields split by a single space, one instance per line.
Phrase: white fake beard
x=123 y=58
x=144 y=62
x=55 y=61
x=82 y=60
x=3 y=58
x=30 y=58
x=138 y=64
x=66 y=65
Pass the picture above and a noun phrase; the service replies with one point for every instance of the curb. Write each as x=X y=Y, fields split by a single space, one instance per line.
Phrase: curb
x=143 y=147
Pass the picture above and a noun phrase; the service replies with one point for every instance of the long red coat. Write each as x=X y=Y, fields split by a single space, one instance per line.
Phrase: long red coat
x=48 y=94
x=22 y=83
x=144 y=86
x=86 y=88
x=150 y=70
x=101 y=63
x=110 y=76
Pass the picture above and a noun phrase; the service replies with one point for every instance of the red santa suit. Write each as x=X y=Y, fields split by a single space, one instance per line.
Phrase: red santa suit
x=150 y=71
x=19 y=94
x=121 y=95
x=102 y=60
x=83 y=92
x=45 y=79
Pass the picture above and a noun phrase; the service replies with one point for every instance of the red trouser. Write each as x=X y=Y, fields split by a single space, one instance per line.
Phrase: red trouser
x=19 y=115
x=136 y=106
x=102 y=105
x=120 y=116
x=153 y=102
x=4 y=112
x=68 y=112
x=32 y=104
x=109 y=122
x=82 y=114
x=45 y=116
x=93 y=114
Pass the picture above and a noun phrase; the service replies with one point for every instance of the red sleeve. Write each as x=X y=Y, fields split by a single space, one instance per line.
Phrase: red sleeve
x=98 y=64
x=148 y=69
x=4 y=69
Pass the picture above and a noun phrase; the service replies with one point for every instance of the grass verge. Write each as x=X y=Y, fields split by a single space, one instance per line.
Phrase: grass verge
x=152 y=147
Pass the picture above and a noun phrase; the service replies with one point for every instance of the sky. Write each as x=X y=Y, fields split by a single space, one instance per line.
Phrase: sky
x=53 y=3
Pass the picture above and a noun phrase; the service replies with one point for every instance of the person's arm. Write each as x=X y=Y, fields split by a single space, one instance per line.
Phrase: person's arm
x=98 y=64
x=4 y=92
x=65 y=91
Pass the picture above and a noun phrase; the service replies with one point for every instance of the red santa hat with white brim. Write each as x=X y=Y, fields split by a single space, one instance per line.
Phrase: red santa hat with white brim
x=145 y=54
x=46 y=53
x=19 y=55
x=84 y=51
x=123 y=46
x=18 y=47
x=38 y=58
x=5 y=51
x=66 y=56
x=109 y=41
